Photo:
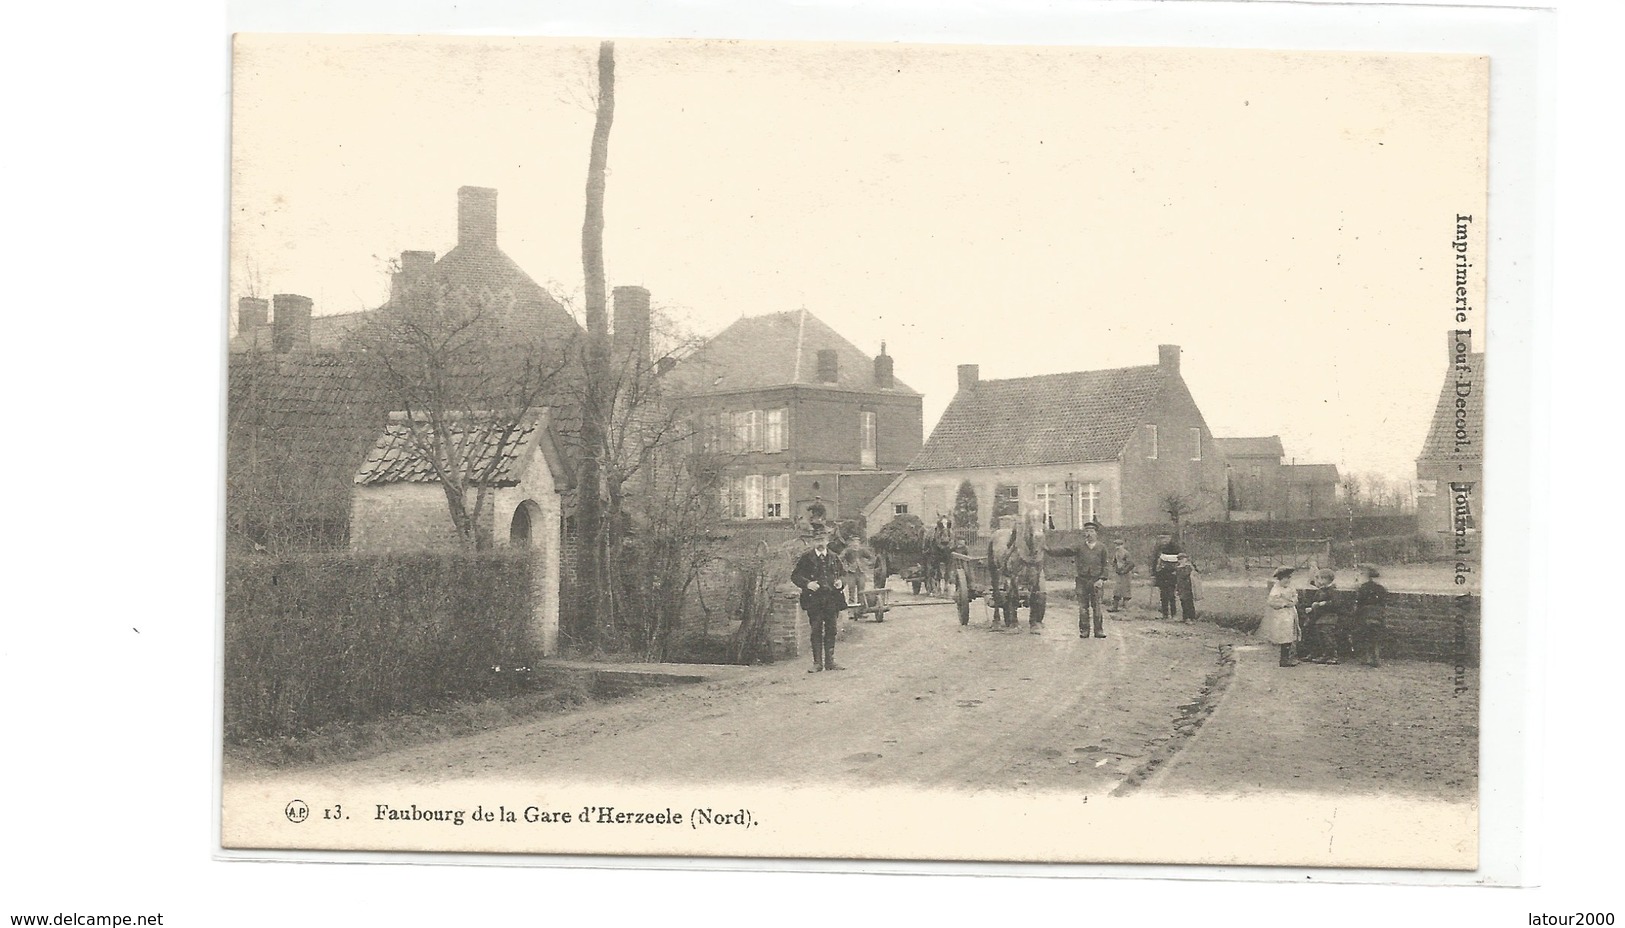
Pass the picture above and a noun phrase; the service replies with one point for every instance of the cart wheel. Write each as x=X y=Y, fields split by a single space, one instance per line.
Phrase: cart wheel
x=1038 y=600
x=962 y=596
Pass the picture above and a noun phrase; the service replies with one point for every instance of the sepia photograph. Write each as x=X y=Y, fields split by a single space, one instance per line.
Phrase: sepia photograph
x=861 y=451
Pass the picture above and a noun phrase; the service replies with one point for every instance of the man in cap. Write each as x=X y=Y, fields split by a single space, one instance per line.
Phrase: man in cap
x=1089 y=575
x=818 y=573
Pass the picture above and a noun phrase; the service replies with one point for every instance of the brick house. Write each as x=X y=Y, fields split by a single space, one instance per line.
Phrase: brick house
x=1253 y=476
x=303 y=410
x=1310 y=490
x=1450 y=467
x=398 y=505
x=476 y=269
x=1106 y=445
x=1262 y=485
x=807 y=416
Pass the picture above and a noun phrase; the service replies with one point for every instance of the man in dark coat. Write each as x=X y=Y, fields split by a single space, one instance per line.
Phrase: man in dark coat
x=1089 y=575
x=1164 y=566
x=819 y=574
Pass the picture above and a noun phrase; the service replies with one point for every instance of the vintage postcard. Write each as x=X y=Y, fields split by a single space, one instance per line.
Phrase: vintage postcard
x=863 y=451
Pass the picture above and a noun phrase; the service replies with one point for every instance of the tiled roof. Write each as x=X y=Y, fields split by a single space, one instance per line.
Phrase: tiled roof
x=775 y=350
x=496 y=452
x=1310 y=473
x=1051 y=419
x=480 y=272
x=1440 y=444
x=1263 y=446
x=300 y=427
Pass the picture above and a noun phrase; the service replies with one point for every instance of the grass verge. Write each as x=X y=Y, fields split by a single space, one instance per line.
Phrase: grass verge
x=347 y=741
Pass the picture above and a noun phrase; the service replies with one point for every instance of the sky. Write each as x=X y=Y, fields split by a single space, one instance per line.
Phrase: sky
x=1287 y=218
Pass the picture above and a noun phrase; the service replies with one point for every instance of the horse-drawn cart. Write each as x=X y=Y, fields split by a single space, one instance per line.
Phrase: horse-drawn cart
x=1009 y=577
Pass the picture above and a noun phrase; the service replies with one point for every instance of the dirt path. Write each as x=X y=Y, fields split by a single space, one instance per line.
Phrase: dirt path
x=923 y=701
x=1396 y=730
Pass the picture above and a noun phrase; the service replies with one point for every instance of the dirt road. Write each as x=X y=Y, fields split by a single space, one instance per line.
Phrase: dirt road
x=923 y=701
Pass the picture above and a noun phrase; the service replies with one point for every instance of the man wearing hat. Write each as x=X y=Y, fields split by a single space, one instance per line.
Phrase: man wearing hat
x=819 y=573
x=1164 y=567
x=1089 y=573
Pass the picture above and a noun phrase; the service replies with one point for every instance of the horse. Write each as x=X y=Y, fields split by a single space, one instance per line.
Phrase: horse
x=939 y=546
x=1016 y=555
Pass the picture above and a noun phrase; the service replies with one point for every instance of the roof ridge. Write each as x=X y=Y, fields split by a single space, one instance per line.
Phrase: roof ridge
x=1098 y=370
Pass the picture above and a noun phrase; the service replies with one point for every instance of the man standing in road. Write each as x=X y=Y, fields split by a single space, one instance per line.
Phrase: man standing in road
x=1089 y=574
x=1123 y=586
x=1164 y=564
x=818 y=573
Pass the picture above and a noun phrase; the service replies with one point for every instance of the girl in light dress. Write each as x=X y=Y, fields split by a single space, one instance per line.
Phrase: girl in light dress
x=1280 y=624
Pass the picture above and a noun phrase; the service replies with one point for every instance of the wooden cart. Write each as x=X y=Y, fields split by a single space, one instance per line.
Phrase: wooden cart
x=870 y=602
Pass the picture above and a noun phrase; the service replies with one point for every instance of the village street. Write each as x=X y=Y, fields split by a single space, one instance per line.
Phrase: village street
x=924 y=701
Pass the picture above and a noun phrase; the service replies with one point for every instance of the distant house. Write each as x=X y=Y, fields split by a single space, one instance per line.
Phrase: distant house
x=475 y=269
x=1108 y=445
x=1450 y=467
x=1253 y=476
x=1309 y=490
x=399 y=504
x=1263 y=485
x=806 y=416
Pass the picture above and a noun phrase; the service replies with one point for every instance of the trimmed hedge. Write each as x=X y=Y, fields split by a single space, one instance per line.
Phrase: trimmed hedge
x=315 y=639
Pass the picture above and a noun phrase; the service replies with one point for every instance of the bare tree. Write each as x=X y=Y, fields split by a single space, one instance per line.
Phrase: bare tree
x=598 y=400
x=465 y=374
x=1180 y=506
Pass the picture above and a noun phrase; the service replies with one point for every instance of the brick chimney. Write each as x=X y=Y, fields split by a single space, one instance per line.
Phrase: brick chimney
x=290 y=322
x=969 y=375
x=252 y=313
x=416 y=269
x=476 y=217
x=631 y=321
x=1458 y=345
x=829 y=365
x=884 y=378
x=1168 y=358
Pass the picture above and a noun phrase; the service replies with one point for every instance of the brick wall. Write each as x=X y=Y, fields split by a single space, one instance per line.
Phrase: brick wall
x=400 y=517
x=1434 y=627
x=825 y=431
x=1147 y=480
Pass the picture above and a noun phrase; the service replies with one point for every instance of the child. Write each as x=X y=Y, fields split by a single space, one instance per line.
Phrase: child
x=1370 y=616
x=1319 y=618
x=1123 y=585
x=1183 y=586
x=1280 y=623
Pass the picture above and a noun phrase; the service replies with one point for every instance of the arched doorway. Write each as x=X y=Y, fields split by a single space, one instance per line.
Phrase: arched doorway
x=519 y=531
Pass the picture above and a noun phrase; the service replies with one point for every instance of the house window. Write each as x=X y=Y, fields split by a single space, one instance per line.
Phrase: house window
x=866 y=421
x=777 y=431
x=1151 y=442
x=1006 y=502
x=1196 y=444
x=899 y=509
x=753 y=496
x=1088 y=503
x=776 y=496
x=747 y=428
x=1045 y=494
